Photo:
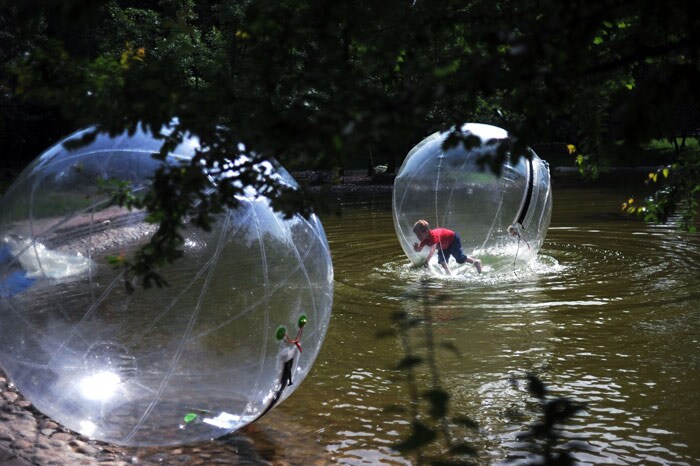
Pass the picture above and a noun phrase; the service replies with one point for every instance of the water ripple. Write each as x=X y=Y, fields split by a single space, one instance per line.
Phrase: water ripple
x=606 y=315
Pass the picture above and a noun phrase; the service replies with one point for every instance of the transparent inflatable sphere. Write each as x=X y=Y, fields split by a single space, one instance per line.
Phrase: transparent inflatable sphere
x=495 y=216
x=235 y=332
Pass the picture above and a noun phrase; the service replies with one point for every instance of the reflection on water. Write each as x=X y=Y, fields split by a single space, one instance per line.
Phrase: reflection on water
x=607 y=316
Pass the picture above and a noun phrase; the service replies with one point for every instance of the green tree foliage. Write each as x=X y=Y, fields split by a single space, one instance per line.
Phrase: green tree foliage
x=319 y=83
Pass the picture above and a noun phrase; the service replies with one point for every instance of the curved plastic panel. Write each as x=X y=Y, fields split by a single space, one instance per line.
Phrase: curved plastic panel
x=195 y=360
x=450 y=190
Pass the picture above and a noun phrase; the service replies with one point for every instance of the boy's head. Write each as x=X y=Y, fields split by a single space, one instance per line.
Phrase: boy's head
x=421 y=229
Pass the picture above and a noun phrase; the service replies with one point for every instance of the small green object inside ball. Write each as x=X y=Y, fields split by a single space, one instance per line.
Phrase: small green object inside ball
x=281 y=332
x=302 y=320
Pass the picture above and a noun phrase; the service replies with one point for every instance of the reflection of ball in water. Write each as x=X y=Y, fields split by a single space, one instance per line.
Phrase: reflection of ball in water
x=506 y=215
x=206 y=355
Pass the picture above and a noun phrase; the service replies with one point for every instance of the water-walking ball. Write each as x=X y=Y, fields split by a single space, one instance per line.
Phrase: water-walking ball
x=232 y=335
x=495 y=216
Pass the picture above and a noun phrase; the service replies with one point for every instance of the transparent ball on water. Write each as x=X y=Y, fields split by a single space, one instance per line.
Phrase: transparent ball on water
x=500 y=219
x=235 y=332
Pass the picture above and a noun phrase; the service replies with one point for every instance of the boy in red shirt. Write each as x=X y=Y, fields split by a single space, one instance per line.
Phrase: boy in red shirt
x=446 y=242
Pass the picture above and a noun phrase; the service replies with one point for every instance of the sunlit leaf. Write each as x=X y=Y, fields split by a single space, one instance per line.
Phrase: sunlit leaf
x=571 y=148
x=630 y=200
x=631 y=210
x=665 y=171
x=115 y=261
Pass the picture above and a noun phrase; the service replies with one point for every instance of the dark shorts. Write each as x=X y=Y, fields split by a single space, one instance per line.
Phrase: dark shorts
x=455 y=249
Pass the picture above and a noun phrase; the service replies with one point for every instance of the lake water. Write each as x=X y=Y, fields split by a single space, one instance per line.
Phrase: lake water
x=607 y=316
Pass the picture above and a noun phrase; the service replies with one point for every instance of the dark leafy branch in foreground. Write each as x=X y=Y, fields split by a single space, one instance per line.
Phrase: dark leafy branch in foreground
x=435 y=430
x=556 y=411
x=434 y=426
x=191 y=195
x=326 y=85
x=436 y=434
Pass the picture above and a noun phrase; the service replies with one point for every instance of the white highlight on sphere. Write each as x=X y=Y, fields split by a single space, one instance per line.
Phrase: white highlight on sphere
x=188 y=362
x=100 y=386
x=505 y=215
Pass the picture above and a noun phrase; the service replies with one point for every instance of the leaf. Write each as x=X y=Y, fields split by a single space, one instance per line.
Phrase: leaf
x=535 y=386
x=451 y=347
x=463 y=449
x=421 y=436
x=438 y=399
x=394 y=409
x=464 y=421
x=115 y=261
x=386 y=333
x=665 y=171
x=571 y=148
x=440 y=462
x=409 y=362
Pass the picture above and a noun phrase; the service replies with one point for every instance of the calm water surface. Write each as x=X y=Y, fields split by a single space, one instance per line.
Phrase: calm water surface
x=607 y=316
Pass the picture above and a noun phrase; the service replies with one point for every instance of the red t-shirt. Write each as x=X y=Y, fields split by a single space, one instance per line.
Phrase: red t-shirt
x=441 y=236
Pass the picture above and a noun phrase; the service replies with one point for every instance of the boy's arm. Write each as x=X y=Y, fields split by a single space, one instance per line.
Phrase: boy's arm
x=430 y=254
x=447 y=270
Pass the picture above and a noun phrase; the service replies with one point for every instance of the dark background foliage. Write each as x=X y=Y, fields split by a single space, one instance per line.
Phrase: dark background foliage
x=347 y=84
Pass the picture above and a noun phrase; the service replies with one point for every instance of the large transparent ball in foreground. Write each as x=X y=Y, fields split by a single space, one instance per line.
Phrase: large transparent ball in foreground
x=235 y=332
x=497 y=216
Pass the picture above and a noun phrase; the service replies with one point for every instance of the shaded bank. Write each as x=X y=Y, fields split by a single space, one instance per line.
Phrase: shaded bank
x=358 y=181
